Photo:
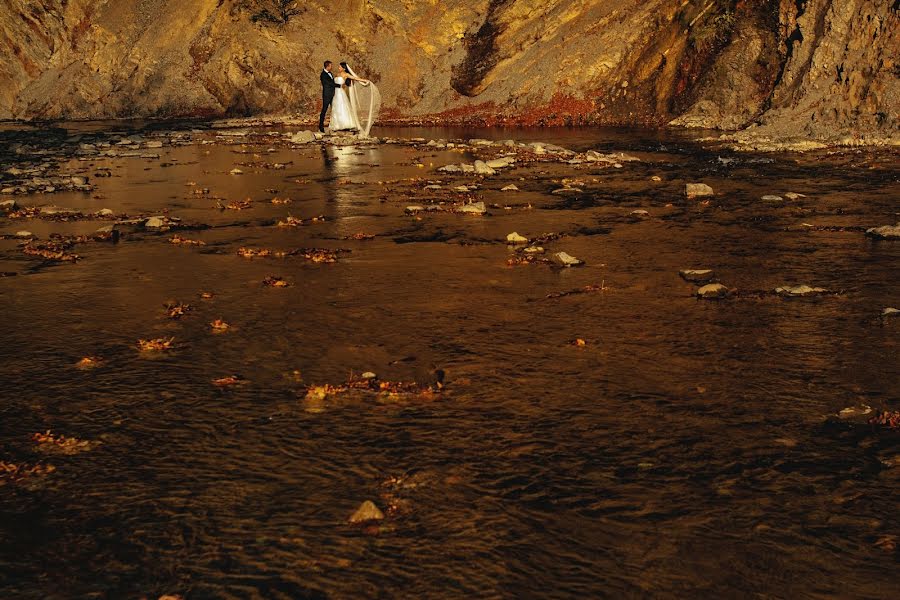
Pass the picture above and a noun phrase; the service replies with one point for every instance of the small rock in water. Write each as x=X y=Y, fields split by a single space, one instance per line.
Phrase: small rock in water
x=155 y=222
x=303 y=137
x=799 y=290
x=713 y=290
x=656 y=178
x=640 y=213
x=367 y=511
x=414 y=208
x=886 y=232
x=105 y=212
x=481 y=168
x=855 y=412
x=888 y=312
x=369 y=375
x=772 y=198
x=510 y=188
x=566 y=260
x=476 y=208
x=515 y=238
x=696 y=275
x=8 y=205
x=28 y=234
x=154 y=144
x=236 y=172
x=698 y=190
x=794 y=196
x=500 y=163
x=534 y=250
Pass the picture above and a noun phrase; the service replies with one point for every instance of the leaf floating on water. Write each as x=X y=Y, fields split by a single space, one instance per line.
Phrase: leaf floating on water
x=890 y=420
x=281 y=200
x=156 y=345
x=180 y=241
x=229 y=381
x=290 y=221
x=176 y=310
x=578 y=342
x=88 y=362
x=236 y=205
x=219 y=326
x=273 y=281
x=207 y=295
x=359 y=236
x=60 y=444
x=13 y=473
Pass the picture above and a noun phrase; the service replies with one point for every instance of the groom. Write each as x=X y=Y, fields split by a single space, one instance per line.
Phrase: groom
x=328 y=87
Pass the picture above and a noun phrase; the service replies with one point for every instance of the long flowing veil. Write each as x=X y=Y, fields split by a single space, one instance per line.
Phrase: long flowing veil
x=365 y=102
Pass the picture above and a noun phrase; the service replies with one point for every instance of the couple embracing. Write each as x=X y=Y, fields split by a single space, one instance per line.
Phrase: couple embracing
x=354 y=101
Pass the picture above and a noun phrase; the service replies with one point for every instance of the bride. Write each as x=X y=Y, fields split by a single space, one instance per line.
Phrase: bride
x=354 y=108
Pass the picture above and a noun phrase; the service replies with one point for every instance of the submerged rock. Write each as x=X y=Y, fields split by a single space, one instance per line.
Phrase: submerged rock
x=697 y=275
x=566 y=260
x=886 y=232
x=367 y=511
x=800 y=290
x=713 y=290
x=698 y=190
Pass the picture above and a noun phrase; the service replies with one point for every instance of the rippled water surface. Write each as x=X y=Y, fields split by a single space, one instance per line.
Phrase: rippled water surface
x=682 y=452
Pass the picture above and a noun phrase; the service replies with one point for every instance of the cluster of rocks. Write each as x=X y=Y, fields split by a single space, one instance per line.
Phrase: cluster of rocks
x=37 y=180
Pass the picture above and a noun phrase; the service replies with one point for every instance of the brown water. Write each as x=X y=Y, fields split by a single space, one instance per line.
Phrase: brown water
x=683 y=452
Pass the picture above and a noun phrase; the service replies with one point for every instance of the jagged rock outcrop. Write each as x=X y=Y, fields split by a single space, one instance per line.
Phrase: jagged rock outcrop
x=823 y=69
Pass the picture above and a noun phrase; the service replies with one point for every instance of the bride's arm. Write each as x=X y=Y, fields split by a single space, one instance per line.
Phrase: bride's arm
x=359 y=79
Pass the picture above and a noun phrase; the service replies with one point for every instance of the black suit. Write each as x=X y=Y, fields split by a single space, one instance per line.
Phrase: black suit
x=328 y=87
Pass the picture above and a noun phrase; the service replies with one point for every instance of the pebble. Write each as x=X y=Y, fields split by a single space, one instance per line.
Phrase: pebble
x=515 y=238
x=891 y=312
x=236 y=172
x=154 y=144
x=713 y=290
x=656 y=178
x=28 y=234
x=510 y=188
x=414 y=208
x=105 y=212
x=643 y=214
x=566 y=260
x=772 y=198
x=369 y=375
x=367 y=511
x=698 y=190
x=534 y=250
x=696 y=275
x=303 y=137
x=794 y=196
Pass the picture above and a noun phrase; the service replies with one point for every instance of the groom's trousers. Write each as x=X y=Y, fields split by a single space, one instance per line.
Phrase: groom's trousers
x=326 y=103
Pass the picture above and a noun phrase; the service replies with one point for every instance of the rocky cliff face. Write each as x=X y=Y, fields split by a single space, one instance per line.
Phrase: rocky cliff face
x=805 y=68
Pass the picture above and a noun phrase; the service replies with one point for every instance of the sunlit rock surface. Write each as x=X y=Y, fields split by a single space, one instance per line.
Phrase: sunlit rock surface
x=795 y=71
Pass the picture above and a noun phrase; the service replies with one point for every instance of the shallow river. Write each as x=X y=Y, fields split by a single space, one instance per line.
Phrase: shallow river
x=681 y=452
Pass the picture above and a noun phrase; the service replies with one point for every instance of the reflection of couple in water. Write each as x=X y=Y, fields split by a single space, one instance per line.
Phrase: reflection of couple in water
x=355 y=101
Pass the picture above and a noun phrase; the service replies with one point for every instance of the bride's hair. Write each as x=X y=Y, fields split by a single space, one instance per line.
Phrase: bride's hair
x=346 y=67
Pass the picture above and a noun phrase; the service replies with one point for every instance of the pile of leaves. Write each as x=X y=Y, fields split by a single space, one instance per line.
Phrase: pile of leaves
x=156 y=345
x=12 y=473
x=889 y=420
x=176 y=310
x=60 y=444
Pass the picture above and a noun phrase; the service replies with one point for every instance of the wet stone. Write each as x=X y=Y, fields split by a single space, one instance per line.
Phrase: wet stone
x=697 y=275
x=713 y=290
x=800 y=290
x=481 y=168
x=366 y=512
x=515 y=238
x=476 y=208
x=886 y=232
x=510 y=188
x=8 y=205
x=566 y=260
x=698 y=190
x=890 y=312
x=772 y=198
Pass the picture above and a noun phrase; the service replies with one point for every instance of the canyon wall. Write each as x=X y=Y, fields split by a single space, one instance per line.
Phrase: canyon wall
x=818 y=69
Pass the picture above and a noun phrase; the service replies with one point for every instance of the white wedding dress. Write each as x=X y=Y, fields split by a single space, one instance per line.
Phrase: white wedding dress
x=343 y=117
x=355 y=107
